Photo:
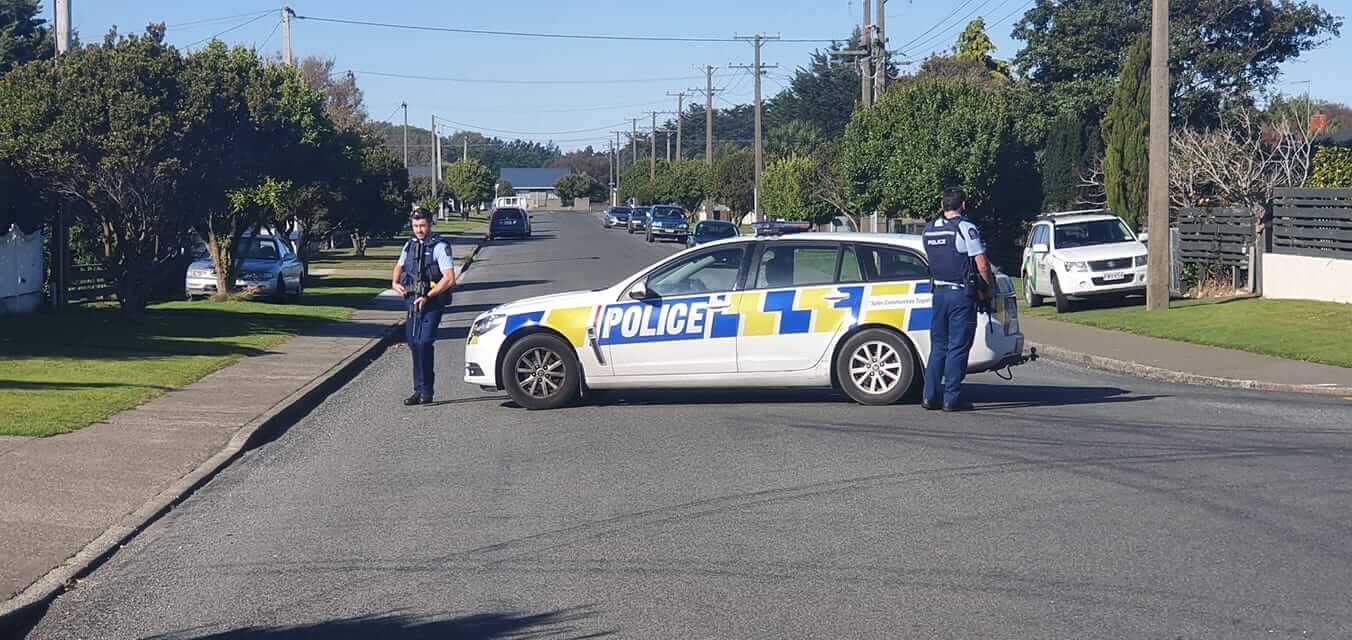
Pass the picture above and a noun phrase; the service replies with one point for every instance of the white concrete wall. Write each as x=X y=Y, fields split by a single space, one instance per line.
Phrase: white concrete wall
x=1304 y=278
x=20 y=271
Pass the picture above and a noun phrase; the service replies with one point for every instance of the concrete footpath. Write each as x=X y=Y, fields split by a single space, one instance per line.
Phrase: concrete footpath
x=69 y=500
x=1180 y=362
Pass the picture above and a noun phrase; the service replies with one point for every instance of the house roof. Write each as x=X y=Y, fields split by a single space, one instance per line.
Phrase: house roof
x=526 y=178
x=1339 y=138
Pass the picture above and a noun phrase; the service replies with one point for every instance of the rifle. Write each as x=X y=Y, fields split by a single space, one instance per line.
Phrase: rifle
x=420 y=287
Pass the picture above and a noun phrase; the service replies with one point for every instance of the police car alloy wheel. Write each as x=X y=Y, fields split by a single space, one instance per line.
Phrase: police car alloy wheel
x=875 y=367
x=541 y=372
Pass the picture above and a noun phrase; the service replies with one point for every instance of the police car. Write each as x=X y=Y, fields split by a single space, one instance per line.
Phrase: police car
x=808 y=310
x=1081 y=255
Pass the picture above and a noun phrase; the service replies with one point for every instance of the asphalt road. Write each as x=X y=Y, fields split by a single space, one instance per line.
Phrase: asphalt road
x=1071 y=505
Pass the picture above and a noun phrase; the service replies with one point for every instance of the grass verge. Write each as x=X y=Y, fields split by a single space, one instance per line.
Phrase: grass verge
x=1306 y=330
x=61 y=372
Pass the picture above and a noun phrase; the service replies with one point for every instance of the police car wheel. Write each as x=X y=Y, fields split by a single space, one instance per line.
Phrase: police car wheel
x=875 y=367
x=541 y=372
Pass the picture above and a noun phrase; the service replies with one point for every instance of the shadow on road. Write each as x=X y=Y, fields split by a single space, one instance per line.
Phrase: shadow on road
x=554 y=624
x=1017 y=396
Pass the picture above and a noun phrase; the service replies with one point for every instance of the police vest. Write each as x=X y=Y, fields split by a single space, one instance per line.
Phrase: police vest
x=431 y=270
x=947 y=263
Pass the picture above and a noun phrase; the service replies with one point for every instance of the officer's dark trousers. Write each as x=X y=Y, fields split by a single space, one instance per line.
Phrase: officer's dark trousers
x=421 y=336
x=951 y=335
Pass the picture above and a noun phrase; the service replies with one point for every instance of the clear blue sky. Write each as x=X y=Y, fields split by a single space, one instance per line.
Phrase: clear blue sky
x=501 y=109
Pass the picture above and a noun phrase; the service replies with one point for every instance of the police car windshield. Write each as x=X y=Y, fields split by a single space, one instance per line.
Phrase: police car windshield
x=1070 y=235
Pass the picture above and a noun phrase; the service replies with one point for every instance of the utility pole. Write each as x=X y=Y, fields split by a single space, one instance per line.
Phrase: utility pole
x=680 y=117
x=633 y=140
x=652 y=148
x=1157 y=262
x=404 y=105
x=619 y=160
x=880 y=48
x=289 y=59
x=465 y=154
x=758 y=69
x=866 y=60
x=436 y=164
x=708 y=92
x=62 y=29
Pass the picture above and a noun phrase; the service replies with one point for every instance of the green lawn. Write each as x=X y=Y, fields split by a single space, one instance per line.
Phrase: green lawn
x=60 y=372
x=1296 y=329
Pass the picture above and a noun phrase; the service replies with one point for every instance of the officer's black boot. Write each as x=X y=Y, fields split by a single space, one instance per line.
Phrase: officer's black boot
x=416 y=398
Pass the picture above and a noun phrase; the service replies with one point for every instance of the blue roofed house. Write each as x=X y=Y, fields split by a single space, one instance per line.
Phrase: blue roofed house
x=537 y=185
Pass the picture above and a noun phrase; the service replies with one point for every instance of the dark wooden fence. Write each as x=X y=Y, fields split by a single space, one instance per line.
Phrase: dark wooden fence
x=1312 y=222
x=1215 y=237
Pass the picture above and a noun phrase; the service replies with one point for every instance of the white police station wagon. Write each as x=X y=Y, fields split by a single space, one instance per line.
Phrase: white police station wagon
x=807 y=310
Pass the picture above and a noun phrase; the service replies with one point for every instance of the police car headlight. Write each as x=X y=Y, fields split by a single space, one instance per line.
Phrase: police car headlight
x=486 y=324
x=1077 y=266
x=1140 y=261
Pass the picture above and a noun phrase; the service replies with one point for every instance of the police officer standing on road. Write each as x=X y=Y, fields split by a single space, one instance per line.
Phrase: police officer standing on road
x=424 y=277
x=962 y=277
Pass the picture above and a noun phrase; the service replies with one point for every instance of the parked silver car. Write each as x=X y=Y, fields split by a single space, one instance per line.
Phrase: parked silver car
x=268 y=267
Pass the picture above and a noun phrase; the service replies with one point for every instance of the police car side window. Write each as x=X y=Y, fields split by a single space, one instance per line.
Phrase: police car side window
x=704 y=273
x=881 y=265
x=849 y=267
x=796 y=266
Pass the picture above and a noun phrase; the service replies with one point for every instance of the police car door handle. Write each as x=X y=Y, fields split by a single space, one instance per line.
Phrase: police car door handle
x=719 y=304
x=835 y=297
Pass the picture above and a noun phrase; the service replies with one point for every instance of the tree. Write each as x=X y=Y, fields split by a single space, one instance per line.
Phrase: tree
x=470 y=181
x=24 y=35
x=794 y=137
x=571 y=187
x=635 y=183
x=586 y=161
x=1126 y=133
x=821 y=95
x=343 y=99
x=975 y=46
x=683 y=182
x=929 y=134
x=732 y=182
x=505 y=188
x=120 y=165
x=1220 y=51
x=1072 y=147
x=787 y=191
x=376 y=202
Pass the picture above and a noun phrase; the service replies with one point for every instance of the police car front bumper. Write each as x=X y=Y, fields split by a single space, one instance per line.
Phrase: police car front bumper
x=481 y=356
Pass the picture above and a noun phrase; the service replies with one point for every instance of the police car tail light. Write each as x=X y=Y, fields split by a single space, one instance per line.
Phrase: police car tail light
x=1077 y=267
x=486 y=324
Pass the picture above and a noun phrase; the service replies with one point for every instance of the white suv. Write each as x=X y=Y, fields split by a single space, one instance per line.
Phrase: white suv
x=1081 y=256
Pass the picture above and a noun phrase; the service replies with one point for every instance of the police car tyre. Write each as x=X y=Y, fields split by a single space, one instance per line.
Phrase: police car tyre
x=1033 y=299
x=875 y=367
x=1062 y=302
x=541 y=372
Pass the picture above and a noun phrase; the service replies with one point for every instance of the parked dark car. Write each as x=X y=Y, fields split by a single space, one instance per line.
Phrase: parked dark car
x=617 y=217
x=711 y=230
x=638 y=220
x=509 y=222
x=668 y=221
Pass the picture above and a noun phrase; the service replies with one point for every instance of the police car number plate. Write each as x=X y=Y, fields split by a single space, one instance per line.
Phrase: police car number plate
x=1114 y=276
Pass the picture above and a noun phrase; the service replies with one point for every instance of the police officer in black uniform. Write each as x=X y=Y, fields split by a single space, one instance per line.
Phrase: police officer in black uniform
x=962 y=279
x=425 y=267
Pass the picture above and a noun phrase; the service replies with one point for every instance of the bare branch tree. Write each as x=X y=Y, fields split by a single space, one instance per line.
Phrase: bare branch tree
x=1241 y=162
x=1091 y=187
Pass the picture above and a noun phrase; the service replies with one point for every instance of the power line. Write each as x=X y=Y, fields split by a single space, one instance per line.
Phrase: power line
x=274 y=32
x=234 y=28
x=1012 y=13
x=607 y=107
x=532 y=34
x=961 y=22
x=934 y=26
x=476 y=127
x=220 y=19
x=406 y=76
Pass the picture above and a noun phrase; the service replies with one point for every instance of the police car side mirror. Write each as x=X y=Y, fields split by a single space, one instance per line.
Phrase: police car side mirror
x=640 y=291
x=1041 y=248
